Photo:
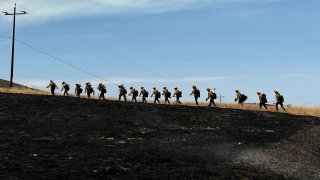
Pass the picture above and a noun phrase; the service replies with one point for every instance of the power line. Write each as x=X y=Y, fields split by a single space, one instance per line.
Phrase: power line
x=117 y=59
x=34 y=16
x=62 y=61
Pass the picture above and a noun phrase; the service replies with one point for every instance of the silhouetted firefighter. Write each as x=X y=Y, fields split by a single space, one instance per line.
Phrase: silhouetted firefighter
x=78 y=90
x=196 y=93
x=52 y=86
x=212 y=96
x=122 y=92
x=178 y=95
x=157 y=95
x=144 y=94
x=262 y=100
x=103 y=89
x=65 y=88
x=241 y=98
x=134 y=93
x=167 y=95
x=89 y=90
x=279 y=100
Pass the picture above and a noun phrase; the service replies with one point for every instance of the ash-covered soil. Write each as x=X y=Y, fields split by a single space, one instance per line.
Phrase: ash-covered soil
x=45 y=137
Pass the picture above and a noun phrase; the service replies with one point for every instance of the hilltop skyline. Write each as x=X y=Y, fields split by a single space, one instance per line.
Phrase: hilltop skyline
x=247 y=45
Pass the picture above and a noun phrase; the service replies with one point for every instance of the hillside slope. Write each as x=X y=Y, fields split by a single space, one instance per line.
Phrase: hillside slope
x=18 y=88
x=6 y=84
x=70 y=138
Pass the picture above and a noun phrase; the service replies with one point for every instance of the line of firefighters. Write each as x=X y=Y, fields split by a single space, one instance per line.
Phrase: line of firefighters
x=240 y=98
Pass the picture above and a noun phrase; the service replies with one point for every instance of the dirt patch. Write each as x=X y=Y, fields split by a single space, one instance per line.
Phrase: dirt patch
x=70 y=138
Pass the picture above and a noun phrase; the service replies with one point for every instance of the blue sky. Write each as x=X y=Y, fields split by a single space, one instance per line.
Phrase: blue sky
x=250 y=45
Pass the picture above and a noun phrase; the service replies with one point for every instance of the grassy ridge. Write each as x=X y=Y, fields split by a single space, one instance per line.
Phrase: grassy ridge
x=296 y=110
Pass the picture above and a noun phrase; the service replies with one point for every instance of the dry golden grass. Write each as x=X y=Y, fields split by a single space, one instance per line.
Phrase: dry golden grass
x=23 y=91
x=309 y=111
x=296 y=110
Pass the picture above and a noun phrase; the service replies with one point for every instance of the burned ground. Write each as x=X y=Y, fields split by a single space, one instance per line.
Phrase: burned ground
x=69 y=138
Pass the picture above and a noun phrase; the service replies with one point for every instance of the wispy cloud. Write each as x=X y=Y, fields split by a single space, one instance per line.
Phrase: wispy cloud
x=171 y=80
x=41 y=83
x=71 y=8
x=299 y=75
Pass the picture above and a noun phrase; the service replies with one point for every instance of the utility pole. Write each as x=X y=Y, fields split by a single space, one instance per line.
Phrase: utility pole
x=13 y=38
x=220 y=97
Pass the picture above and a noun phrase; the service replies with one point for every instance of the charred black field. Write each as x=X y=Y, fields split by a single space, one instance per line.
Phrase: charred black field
x=46 y=137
